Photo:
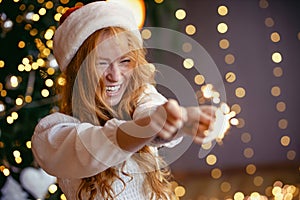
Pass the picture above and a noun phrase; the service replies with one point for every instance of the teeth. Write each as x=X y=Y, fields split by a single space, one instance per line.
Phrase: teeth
x=113 y=88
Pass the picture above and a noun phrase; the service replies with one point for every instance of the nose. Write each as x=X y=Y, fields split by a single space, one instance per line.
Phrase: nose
x=113 y=73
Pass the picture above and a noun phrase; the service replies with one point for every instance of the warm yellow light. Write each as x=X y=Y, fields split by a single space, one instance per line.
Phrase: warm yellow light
x=246 y=137
x=158 y=1
x=224 y=44
x=2 y=63
x=234 y=121
x=240 y=92
x=276 y=190
x=258 y=181
x=146 y=34
x=35 y=66
x=19 y=101
x=33 y=32
x=45 y=93
x=138 y=8
x=225 y=186
x=49 y=44
x=275 y=37
x=6 y=172
x=230 y=77
x=57 y=16
x=9 y=120
x=179 y=191
x=269 y=22
x=188 y=63
x=42 y=11
x=282 y=123
x=25 y=61
x=236 y=108
x=35 y=17
x=216 y=173
x=190 y=29
x=250 y=169
x=276 y=91
x=206 y=145
x=3 y=93
x=222 y=10
x=211 y=159
x=16 y=153
x=28 y=99
x=248 y=152
x=63 y=197
x=291 y=189
x=21 y=44
x=46 y=52
x=255 y=196
x=28 y=144
x=276 y=57
x=285 y=141
x=281 y=106
x=49 y=82
x=52 y=188
x=277 y=71
x=229 y=59
x=64 y=1
x=263 y=3
x=14 y=115
x=199 y=79
x=14 y=81
x=49 y=5
x=50 y=71
x=40 y=62
x=27 y=67
x=238 y=196
x=180 y=14
x=222 y=27
x=48 y=34
x=61 y=81
x=18 y=160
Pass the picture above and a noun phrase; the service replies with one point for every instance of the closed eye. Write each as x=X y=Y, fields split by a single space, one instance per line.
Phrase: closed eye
x=126 y=60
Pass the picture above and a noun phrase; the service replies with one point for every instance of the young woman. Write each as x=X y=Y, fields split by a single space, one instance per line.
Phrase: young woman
x=103 y=142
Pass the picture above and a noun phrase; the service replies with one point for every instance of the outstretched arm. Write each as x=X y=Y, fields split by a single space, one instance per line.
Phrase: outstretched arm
x=164 y=122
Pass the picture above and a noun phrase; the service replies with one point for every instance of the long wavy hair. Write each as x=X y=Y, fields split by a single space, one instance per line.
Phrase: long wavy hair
x=84 y=84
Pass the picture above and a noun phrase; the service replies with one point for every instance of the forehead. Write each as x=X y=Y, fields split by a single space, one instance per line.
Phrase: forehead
x=112 y=47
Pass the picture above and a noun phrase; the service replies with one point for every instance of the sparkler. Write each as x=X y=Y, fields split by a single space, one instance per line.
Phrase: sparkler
x=224 y=118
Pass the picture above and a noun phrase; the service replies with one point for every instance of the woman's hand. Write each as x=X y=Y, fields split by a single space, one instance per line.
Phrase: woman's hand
x=167 y=119
x=199 y=119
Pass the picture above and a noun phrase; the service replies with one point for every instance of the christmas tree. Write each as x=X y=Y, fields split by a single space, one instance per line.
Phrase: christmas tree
x=29 y=77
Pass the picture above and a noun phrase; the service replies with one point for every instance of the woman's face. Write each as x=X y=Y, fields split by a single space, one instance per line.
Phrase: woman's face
x=115 y=67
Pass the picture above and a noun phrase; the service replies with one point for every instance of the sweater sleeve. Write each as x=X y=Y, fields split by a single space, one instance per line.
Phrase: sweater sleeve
x=66 y=148
x=147 y=104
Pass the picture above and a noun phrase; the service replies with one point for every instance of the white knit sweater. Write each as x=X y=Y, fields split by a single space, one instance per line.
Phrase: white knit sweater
x=70 y=150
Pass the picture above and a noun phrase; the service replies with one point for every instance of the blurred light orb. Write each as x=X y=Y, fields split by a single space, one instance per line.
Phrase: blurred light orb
x=180 y=14
x=222 y=10
x=138 y=8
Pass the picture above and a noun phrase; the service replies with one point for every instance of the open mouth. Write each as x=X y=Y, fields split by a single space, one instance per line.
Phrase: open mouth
x=112 y=90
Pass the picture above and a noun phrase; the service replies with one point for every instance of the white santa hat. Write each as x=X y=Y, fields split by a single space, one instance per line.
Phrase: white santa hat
x=84 y=21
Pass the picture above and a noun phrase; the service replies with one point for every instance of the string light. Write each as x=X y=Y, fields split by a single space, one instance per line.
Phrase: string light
x=286 y=191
